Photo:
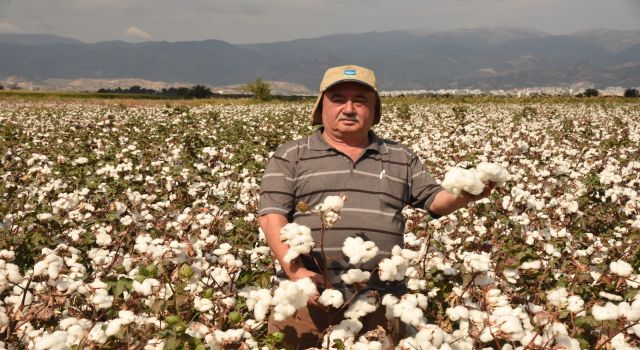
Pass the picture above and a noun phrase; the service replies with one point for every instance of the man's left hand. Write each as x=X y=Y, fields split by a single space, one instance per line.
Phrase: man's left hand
x=484 y=194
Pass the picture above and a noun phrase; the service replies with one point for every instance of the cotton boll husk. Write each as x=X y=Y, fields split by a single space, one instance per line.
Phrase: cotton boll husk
x=457 y=180
x=492 y=172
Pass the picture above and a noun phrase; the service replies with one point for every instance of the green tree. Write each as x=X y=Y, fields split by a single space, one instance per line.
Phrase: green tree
x=631 y=92
x=199 y=91
x=591 y=92
x=260 y=89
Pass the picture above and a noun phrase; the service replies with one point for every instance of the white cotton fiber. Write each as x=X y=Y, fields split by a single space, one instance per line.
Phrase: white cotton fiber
x=457 y=180
x=492 y=172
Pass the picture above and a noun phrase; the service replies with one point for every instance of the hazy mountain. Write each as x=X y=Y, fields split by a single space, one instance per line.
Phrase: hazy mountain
x=35 y=39
x=500 y=57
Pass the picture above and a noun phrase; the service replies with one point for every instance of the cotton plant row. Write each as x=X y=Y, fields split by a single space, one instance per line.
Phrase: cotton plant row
x=135 y=227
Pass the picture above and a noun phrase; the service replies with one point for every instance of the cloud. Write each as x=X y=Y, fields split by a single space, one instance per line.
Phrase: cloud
x=135 y=32
x=6 y=27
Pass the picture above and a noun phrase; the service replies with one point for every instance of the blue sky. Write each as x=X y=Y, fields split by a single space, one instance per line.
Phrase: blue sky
x=251 y=21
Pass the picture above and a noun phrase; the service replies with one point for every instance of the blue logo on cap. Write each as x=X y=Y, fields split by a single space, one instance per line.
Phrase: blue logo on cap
x=349 y=72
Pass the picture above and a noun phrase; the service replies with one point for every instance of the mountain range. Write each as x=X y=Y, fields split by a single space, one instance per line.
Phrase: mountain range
x=480 y=58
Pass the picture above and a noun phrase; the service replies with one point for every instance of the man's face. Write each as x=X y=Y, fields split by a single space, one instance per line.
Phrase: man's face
x=348 y=109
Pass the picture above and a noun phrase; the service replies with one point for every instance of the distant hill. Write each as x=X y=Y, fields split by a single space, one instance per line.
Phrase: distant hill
x=485 y=58
x=35 y=39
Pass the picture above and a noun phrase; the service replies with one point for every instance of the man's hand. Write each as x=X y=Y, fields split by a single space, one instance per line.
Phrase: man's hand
x=299 y=272
x=271 y=224
x=488 y=188
x=446 y=203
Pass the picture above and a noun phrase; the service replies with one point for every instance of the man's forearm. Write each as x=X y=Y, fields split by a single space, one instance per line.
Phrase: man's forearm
x=445 y=203
x=271 y=225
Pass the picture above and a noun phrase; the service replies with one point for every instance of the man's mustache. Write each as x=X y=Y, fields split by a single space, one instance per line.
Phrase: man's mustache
x=348 y=117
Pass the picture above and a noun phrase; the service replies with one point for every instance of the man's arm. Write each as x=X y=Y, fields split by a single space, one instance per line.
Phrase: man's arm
x=271 y=225
x=446 y=203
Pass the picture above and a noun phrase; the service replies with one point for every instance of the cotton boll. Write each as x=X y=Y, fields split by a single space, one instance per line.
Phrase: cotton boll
x=362 y=306
x=458 y=312
x=492 y=172
x=113 y=327
x=97 y=334
x=430 y=335
x=55 y=341
x=331 y=297
x=408 y=311
x=147 y=286
x=334 y=203
x=393 y=269
x=103 y=239
x=258 y=300
x=630 y=312
x=359 y=251
x=621 y=268
x=101 y=299
x=495 y=298
x=604 y=313
x=531 y=265
x=474 y=262
x=298 y=238
x=355 y=276
x=290 y=296
x=457 y=180
x=618 y=342
x=197 y=330
x=202 y=304
x=558 y=297
x=575 y=303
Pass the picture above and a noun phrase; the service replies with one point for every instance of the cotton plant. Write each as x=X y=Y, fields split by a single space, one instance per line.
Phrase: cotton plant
x=330 y=209
x=124 y=194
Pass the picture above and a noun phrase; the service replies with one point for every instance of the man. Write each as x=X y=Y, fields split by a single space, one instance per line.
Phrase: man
x=379 y=177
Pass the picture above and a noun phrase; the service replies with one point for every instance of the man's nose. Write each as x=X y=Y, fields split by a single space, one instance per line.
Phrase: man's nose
x=348 y=108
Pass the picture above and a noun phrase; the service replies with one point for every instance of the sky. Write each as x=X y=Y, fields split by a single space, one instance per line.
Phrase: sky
x=255 y=21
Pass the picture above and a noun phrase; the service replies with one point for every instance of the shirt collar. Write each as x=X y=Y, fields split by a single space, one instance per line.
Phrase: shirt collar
x=318 y=143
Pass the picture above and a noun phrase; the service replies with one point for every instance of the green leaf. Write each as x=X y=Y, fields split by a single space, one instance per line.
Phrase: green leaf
x=122 y=285
x=158 y=306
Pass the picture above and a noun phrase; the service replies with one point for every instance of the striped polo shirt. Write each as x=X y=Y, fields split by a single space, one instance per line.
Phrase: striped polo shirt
x=385 y=179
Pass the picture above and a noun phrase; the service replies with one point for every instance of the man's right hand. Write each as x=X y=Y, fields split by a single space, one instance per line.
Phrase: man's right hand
x=300 y=272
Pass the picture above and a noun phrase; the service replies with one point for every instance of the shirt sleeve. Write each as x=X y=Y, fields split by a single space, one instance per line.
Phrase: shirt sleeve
x=423 y=187
x=277 y=186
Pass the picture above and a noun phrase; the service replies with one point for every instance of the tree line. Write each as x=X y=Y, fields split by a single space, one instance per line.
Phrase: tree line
x=197 y=91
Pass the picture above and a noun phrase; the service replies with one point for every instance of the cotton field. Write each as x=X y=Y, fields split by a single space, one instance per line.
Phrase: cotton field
x=135 y=227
